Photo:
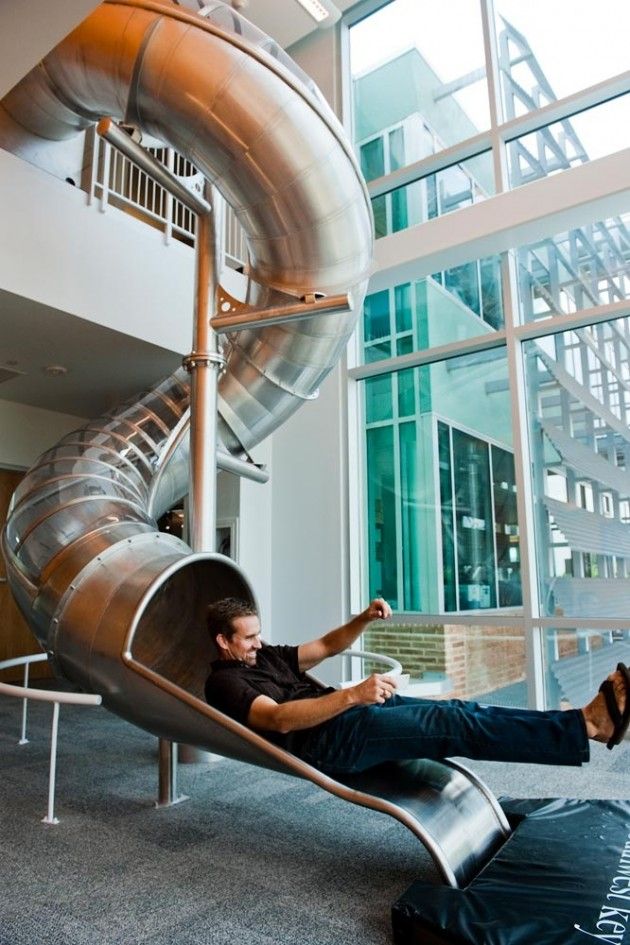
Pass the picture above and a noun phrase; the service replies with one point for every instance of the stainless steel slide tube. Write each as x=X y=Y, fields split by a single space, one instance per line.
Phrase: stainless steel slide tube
x=263 y=136
x=120 y=607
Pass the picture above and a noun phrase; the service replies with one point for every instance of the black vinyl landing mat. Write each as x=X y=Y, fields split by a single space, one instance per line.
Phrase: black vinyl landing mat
x=563 y=878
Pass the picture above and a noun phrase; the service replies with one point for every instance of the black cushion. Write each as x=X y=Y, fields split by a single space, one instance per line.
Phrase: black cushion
x=563 y=878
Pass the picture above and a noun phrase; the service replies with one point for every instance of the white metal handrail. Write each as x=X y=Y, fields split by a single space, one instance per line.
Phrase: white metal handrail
x=43 y=695
x=117 y=180
x=392 y=666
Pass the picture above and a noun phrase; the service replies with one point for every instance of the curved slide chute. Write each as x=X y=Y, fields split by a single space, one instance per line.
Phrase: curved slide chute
x=118 y=606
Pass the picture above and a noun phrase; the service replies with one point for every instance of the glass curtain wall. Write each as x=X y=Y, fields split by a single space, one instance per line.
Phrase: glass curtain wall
x=495 y=443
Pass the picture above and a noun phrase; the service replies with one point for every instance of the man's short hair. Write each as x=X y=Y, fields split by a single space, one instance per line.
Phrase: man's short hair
x=222 y=613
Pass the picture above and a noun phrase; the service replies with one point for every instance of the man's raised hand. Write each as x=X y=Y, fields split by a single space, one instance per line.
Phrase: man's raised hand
x=378 y=609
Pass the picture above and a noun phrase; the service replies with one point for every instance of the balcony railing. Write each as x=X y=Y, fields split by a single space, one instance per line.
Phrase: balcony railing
x=115 y=181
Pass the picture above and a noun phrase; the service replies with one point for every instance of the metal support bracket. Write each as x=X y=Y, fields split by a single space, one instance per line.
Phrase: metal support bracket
x=228 y=305
x=203 y=359
x=238 y=316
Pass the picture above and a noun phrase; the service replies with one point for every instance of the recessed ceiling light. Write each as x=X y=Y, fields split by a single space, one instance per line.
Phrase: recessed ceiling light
x=55 y=370
x=324 y=12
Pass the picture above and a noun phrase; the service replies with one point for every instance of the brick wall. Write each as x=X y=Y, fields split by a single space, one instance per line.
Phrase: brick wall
x=420 y=649
x=567 y=644
x=475 y=659
x=480 y=660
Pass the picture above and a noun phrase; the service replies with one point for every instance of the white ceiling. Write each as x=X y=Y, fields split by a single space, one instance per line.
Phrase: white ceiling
x=26 y=36
x=35 y=337
x=285 y=20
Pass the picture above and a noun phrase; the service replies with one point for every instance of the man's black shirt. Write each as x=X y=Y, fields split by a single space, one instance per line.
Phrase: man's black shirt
x=233 y=685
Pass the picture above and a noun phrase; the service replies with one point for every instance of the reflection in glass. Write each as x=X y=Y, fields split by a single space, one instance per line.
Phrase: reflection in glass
x=576 y=661
x=477 y=488
x=578 y=269
x=381 y=498
x=458 y=303
x=568 y=143
x=451 y=189
x=579 y=405
x=408 y=60
x=441 y=493
x=419 y=87
x=552 y=51
x=455 y=662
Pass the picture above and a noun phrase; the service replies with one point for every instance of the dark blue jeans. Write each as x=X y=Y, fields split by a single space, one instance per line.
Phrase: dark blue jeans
x=405 y=728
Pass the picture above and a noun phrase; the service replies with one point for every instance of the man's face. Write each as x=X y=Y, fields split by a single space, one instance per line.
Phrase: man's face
x=245 y=642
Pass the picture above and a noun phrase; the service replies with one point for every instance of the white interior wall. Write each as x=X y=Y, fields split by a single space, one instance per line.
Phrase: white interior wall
x=255 y=536
x=319 y=56
x=309 y=576
x=247 y=505
x=309 y=540
x=28 y=431
x=104 y=267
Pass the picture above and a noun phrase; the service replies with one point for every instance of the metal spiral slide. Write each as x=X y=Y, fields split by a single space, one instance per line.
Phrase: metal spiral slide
x=118 y=606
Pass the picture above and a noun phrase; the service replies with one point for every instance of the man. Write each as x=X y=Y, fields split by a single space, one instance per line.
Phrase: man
x=349 y=730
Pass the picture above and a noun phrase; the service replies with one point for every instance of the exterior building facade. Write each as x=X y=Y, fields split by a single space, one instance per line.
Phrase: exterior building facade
x=440 y=447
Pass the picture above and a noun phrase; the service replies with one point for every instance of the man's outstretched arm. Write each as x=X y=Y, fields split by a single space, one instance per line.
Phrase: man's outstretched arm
x=267 y=715
x=336 y=641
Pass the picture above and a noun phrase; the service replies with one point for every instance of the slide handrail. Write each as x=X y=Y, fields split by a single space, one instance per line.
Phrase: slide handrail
x=394 y=665
x=42 y=695
x=25 y=693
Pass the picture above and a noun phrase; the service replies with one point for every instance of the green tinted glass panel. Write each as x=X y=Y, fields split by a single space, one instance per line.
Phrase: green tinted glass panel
x=377 y=351
x=400 y=216
x=473 y=518
x=378 y=398
x=396 y=149
x=447 y=516
x=376 y=321
x=381 y=497
x=404 y=344
x=409 y=516
x=373 y=159
x=491 y=291
x=435 y=195
x=463 y=283
x=451 y=468
x=404 y=307
x=379 y=210
x=462 y=302
x=506 y=528
x=406 y=392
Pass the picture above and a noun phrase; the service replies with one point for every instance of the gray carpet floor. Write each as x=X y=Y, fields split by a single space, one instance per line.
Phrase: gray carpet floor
x=252 y=858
